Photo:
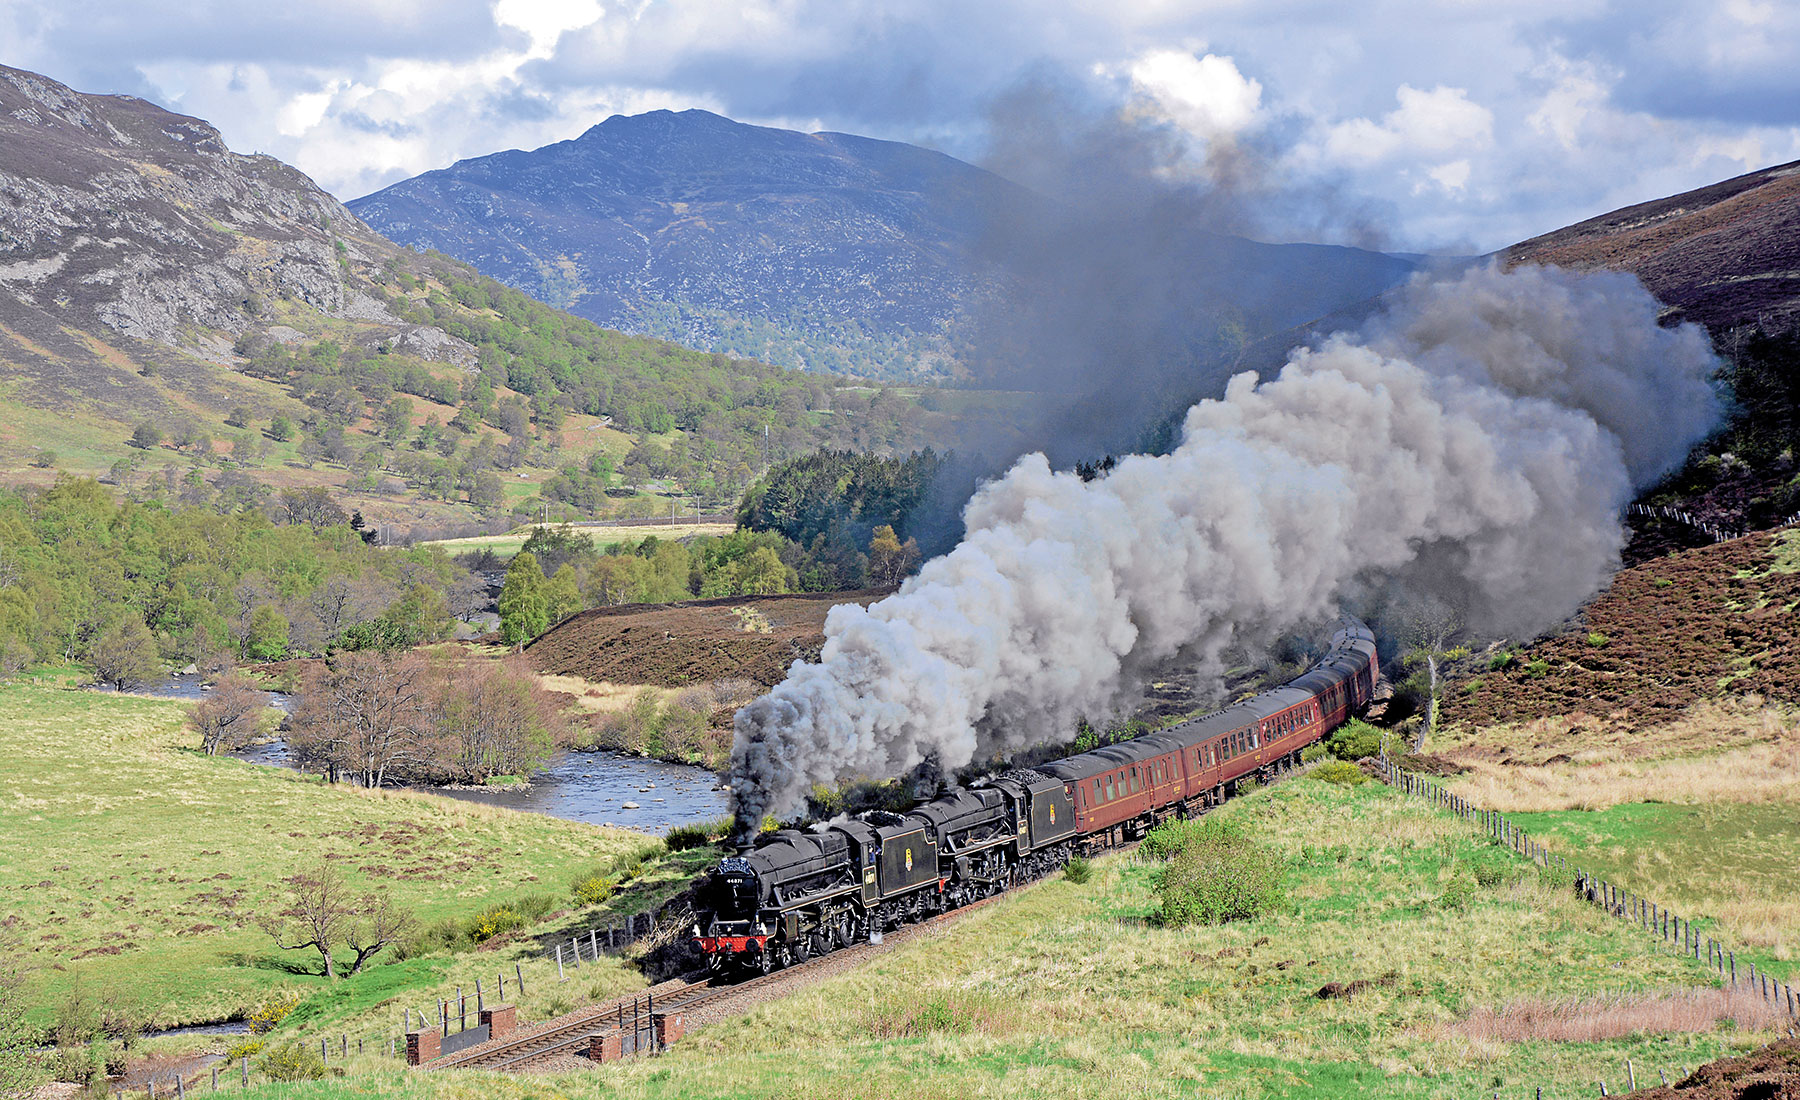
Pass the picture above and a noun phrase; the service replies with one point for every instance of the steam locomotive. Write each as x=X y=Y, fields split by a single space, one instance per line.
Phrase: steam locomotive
x=799 y=893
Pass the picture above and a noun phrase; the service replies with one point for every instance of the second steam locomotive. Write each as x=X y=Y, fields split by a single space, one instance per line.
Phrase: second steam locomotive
x=800 y=893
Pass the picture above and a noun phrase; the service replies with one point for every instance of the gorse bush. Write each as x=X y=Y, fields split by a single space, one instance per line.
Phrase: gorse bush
x=593 y=890
x=1341 y=772
x=494 y=921
x=291 y=1062
x=1314 y=752
x=1354 y=740
x=1219 y=872
x=1078 y=870
x=270 y=1013
x=247 y=1047
x=595 y=884
x=456 y=933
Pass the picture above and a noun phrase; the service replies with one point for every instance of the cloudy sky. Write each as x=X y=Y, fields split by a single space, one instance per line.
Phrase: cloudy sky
x=1456 y=125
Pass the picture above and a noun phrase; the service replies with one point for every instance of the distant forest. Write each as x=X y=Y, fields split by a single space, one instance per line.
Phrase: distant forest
x=169 y=576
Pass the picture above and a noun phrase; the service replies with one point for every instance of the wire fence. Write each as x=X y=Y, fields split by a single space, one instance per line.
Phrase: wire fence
x=1716 y=532
x=610 y=939
x=1673 y=929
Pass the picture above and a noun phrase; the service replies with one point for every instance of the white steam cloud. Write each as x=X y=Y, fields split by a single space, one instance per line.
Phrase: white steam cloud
x=1476 y=443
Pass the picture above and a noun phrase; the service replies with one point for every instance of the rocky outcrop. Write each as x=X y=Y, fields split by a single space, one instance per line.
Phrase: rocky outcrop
x=117 y=213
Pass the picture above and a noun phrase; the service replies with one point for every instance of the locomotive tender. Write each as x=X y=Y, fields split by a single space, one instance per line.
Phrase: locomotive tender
x=803 y=892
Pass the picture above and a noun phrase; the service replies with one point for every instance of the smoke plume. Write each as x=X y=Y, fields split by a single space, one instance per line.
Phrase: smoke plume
x=1475 y=444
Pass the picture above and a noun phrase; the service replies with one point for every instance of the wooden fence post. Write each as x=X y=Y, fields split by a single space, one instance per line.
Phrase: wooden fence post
x=246 y=1069
x=519 y=973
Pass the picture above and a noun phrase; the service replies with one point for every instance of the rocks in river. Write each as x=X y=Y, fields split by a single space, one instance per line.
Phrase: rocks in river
x=628 y=806
x=657 y=800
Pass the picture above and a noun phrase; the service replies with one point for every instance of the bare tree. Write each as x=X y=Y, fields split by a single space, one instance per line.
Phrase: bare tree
x=362 y=714
x=229 y=717
x=468 y=596
x=323 y=911
x=379 y=923
x=490 y=719
x=1430 y=625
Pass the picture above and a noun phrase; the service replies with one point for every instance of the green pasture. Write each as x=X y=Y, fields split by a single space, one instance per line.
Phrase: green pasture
x=1733 y=865
x=136 y=866
x=507 y=545
x=1069 y=990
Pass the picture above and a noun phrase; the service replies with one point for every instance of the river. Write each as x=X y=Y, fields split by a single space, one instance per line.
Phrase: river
x=591 y=787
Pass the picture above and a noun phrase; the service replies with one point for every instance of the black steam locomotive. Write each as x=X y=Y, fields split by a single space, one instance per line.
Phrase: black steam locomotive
x=800 y=893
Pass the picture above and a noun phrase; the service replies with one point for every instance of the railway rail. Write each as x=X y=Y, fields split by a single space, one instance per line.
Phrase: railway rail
x=633 y=1019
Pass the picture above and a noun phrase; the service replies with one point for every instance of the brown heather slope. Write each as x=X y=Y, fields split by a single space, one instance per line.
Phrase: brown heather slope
x=681 y=644
x=1723 y=255
x=1772 y=1073
x=1697 y=625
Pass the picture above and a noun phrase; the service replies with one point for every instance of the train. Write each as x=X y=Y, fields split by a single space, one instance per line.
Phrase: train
x=798 y=893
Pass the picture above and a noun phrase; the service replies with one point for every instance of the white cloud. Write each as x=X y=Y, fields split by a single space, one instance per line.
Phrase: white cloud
x=1430 y=123
x=1472 y=123
x=1206 y=96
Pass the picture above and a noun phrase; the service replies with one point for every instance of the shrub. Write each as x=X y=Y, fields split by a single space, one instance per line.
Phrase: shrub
x=1314 y=753
x=698 y=835
x=1487 y=876
x=291 y=1062
x=593 y=890
x=1502 y=661
x=494 y=921
x=1220 y=873
x=1472 y=686
x=1597 y=639
x=1078 y=870
x=1537 y=670
x=1661 y=582
x=247 y=1047
x=1341 y=772
x=1354 y=740
x=1247 y=784
x=535 y=907
x=1458 y=893
x=271 y=1012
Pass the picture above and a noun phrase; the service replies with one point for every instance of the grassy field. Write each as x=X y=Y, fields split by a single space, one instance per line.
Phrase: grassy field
x=1734 y=862
x=135 y=865
x=1480 y=973
x=1700 y=813
x=509 y=544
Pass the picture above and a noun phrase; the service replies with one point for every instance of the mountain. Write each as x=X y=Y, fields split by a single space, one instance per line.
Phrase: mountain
x=263 y=337
x=1725 y=256
x=824 y=251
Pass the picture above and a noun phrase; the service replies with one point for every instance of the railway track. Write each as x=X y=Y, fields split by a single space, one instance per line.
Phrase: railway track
x=633 y=1017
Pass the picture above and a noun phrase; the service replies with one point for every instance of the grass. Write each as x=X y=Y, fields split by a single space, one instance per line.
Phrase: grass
x=1070 y=990
x=507 y=545
x=1730 y=862
x=136 y=865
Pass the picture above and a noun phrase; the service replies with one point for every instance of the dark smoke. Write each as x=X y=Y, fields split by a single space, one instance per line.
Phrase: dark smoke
x=1476 y=444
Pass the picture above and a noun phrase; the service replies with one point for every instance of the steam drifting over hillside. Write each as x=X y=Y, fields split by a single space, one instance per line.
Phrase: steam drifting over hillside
x=1476 y=443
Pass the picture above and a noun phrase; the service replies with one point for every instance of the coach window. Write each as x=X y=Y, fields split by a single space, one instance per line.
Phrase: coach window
x=1096 y=797
x=1110 y=795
